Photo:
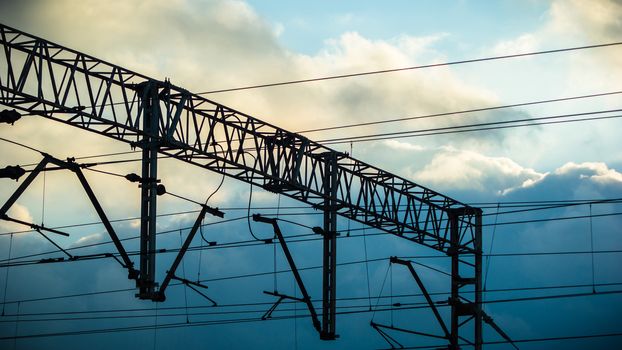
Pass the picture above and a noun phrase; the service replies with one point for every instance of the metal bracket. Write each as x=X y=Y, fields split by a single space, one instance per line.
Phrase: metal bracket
x=170 y=274
x=282 y=297
x=75 y=168
x=192 y=285
x=426 y=295
x=292 y=265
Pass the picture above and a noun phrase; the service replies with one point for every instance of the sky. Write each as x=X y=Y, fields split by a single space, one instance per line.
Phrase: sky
x=206 y=45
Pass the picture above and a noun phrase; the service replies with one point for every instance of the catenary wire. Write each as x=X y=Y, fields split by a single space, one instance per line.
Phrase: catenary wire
x=383 y=71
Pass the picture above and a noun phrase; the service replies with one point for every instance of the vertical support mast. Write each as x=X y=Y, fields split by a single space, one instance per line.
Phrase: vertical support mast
x=329 y=273
x=150 y=146
x=479 y=314
x=454 y=237
x=462 y=305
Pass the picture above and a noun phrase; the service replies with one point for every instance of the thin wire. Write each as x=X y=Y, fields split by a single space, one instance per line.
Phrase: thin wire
x=482 y=109
x=256 y=243
x=200 y=250
x=258 y=319
x=222 y=180
x=182 y=197
x=341 y=76
x=248 y=213
x=43 y=202
x=21 y=145
x=106 y=172
x=529 y=340
x=16 y=327
x=592 y=249
x=530 y=298
x=391 y=291
x=6 y=276
x=480 y=204
x=367 y=268
x=274 y=263
x=295 y=316
x=492 y=241
x=155 y=327
x=183 y=271
x=480 y=126
x=459 y=130
x=386 y=274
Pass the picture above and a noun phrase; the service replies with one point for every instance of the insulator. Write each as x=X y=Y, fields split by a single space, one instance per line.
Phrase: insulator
x=9 y=116
x=160 y=190
x=133 y=177
x=12 y=172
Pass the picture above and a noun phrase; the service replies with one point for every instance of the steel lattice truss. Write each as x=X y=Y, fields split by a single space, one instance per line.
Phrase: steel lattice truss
x=76 y=89
x=45 y=79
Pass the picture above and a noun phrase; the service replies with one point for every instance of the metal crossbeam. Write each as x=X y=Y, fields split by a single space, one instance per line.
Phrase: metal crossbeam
x=64 y=85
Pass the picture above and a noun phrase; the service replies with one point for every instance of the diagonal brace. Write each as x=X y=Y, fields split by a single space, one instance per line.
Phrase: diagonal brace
x=33 y=226
x=170 y=274
x=498 y=329
x=389 y=339
x=76 y=169
x=282 y=297
x=408 y=264
x=292 y=265
x=193 y=285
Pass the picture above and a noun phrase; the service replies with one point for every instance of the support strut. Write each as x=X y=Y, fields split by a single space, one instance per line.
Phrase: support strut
x=76 y=169
x=292 y=265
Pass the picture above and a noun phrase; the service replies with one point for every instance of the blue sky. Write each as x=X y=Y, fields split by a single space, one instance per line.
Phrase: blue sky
x=207 y=45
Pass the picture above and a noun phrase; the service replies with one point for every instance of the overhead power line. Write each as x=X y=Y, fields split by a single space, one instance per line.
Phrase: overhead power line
x=494 y=125
x=66 y=312
x=392 y=70
x=466 y=111
x=363 y=309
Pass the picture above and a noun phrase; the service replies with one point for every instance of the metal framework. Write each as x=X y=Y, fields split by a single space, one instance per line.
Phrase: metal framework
x=45 y=79
x=76 y=169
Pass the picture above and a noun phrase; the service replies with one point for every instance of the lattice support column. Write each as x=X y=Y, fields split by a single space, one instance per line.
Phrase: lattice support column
x=148 y=92
x=329 y=273
x=466 y=278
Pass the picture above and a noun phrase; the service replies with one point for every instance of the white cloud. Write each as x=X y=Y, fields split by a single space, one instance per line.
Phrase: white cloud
x=19 y=212
x=88 y=239
x=400 y=145
x=596 y=171
x=524 y=43
x=594 y=20
x=461 y=169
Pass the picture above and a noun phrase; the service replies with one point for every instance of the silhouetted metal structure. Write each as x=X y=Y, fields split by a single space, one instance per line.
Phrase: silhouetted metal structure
x=42 y=78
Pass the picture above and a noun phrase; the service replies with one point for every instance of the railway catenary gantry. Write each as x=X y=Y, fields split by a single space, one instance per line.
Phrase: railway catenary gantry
x=45 y=79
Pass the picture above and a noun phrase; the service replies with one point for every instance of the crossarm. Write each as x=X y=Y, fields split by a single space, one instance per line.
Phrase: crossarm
x=67 y=86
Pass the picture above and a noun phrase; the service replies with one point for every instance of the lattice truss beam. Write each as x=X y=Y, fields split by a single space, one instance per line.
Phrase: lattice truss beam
x=61 y=84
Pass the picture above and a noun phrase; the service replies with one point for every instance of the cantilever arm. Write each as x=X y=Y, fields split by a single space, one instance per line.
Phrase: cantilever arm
x=74 y=167
x=496 y=327
x=292 y=265
x=193 y=285
x=282 y=297
x=182 y=251
x=408 y=264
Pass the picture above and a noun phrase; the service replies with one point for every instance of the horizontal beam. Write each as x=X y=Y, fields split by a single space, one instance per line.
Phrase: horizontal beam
x=67 y=86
